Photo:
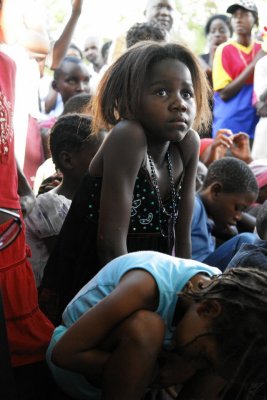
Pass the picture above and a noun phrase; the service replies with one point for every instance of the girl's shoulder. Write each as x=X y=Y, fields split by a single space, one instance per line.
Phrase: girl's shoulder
x=126 y=142
x=128 y=134
x=128 y=128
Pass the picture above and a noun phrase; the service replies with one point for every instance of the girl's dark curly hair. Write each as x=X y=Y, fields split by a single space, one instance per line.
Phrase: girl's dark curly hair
x=69 y=133
x=241 y=328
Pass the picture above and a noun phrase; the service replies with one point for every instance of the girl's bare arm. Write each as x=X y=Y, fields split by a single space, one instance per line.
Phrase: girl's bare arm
x=123 y=153
x=190 y=149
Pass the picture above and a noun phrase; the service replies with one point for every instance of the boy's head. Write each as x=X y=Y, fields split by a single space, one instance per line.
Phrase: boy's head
x=228 y=189
x=71 y=77
x=77 y=103
x=144 y=31
x=245 y=7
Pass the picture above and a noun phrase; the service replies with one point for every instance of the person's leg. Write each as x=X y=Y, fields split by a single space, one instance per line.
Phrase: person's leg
x=132 y=363
x=221 y=257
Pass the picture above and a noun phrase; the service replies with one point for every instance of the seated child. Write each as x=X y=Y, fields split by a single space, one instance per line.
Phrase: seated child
x=228 y=189
x=150 y=319
x=72 y=149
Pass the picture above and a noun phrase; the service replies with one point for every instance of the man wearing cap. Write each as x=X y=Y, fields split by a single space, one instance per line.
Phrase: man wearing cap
x=233 y=70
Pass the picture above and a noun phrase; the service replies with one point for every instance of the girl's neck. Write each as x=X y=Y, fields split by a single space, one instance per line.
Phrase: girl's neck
x=244 y=40
x=158 y=151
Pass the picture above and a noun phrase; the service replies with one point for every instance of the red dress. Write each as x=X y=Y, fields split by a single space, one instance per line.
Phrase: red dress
x=29 y=331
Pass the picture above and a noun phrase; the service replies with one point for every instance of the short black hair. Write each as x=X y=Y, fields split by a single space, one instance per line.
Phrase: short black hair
x=222 y=17
x=77 y=103
x=234 y=175
x=144 y=31
x=69 y=133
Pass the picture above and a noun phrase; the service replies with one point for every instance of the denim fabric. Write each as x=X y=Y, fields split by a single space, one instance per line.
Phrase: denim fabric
x=222 y=256
x=250 y=255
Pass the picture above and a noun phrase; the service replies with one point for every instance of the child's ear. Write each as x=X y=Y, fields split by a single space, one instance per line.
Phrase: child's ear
x=216 y=189
x=54 y=85
x=65 y=160
x=209 y=308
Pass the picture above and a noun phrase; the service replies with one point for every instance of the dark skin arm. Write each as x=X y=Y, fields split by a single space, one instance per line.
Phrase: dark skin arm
x=62 y=43
x=190 y=149
x=118 y=162
x=86 y=350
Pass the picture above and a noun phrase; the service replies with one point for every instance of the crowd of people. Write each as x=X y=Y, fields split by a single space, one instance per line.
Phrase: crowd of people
x=133 y=209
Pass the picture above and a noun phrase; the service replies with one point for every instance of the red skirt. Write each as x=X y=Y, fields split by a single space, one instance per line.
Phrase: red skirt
x=28 y=330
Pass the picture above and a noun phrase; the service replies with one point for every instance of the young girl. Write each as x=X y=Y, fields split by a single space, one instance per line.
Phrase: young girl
x=127 y=329
x=72 y=149
x=138 y=194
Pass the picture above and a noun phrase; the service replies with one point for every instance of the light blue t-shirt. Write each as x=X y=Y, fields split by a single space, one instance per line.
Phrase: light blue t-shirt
x=171 y=275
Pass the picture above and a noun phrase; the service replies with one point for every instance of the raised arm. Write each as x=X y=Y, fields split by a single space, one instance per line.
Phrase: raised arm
x=62 y=43
x=190 y=148
x=122 y=155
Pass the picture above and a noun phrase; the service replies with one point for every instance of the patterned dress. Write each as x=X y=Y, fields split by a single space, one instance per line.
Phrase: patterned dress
x=74 y=260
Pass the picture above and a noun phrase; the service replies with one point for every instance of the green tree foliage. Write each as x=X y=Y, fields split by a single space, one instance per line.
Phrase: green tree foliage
x=194 y=17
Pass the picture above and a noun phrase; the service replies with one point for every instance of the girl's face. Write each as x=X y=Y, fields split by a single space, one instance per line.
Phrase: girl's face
x=242 y=21
x=194 y=340
x=218 y=33
x=168 y=106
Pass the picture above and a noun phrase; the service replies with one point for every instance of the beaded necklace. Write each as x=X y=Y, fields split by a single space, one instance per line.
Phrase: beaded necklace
x=173 y=214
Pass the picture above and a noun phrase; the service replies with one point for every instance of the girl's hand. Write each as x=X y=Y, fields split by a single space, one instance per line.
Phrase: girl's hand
x=241 y=148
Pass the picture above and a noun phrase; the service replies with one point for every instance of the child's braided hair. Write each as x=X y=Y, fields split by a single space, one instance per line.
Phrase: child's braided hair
x=241 y=328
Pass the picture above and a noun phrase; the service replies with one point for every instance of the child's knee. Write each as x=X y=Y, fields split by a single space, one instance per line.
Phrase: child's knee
x=144 y=328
